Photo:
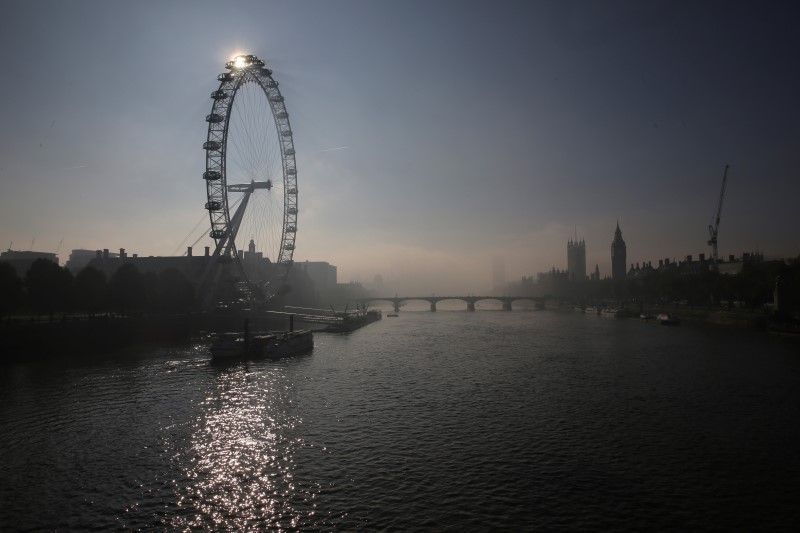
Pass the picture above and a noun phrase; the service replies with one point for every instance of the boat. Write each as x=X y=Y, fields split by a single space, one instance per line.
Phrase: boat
x=348 y=322
x=269 y=345
x=227 y=346
x=666 y=319
x=341 y=322
x=282 y=344
x=392 y=315
x=619 y=312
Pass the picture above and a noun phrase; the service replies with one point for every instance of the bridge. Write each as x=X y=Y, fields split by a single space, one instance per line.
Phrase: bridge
x=507 y=301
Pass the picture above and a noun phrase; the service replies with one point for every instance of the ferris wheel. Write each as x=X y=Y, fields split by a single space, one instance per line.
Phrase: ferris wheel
x=251 y=173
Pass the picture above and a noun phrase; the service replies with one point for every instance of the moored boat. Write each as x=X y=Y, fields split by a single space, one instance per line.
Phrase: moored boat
x=283 y=344
x=270 y=345
x=666 y=319
x=226 y=346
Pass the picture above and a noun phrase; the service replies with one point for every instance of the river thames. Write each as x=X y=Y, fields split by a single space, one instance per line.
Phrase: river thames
x=523 y=420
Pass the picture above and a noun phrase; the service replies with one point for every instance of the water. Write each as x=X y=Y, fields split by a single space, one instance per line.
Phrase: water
x=434 y=421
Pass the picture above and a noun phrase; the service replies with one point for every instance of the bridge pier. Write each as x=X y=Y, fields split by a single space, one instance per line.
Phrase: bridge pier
x=433 y=307
x=396 y=306
x=470 y=306
x=506 y=305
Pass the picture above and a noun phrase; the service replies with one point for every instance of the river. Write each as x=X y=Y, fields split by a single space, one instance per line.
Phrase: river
x=447 y=421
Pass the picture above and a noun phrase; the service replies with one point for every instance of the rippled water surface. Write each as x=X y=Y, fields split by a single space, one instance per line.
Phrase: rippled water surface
x=435 y=421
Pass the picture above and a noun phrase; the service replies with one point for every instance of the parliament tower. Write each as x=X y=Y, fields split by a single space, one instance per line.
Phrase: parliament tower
x=576 y=259
x=618 y=256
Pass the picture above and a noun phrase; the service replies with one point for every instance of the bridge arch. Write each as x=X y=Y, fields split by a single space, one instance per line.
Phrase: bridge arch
x=470 y=300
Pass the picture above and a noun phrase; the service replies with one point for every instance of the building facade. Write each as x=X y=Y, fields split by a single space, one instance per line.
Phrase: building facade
x=21 y=261
x=323 y=274
x=619 y=256
x=576 y=260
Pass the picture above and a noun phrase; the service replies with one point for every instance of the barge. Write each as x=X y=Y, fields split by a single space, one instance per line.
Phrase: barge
x=268 y=345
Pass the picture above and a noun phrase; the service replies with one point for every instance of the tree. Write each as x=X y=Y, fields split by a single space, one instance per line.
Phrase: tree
x=175 y=293
x=48 y=287
x=127 y=289
x=91 y=290
x=10 y=290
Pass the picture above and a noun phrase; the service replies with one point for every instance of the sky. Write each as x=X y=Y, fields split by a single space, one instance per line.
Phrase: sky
x=431 y=137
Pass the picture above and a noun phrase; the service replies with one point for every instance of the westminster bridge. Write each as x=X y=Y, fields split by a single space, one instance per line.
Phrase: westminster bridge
x=507 y=301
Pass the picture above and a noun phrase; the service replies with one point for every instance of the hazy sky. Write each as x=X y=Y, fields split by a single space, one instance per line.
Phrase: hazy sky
x=468 y=130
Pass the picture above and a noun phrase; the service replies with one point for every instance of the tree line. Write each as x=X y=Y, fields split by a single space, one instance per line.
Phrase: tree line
x=48 y=289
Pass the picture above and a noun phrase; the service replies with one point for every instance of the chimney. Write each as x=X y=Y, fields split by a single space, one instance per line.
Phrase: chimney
x=688 y=258
x=207 y=252
x=731 y=258
x=660 y=263
x=122 y=253
x=702 y=257
x=666 y=261
x=189 y=251
x=105 y=253
x=135 y=256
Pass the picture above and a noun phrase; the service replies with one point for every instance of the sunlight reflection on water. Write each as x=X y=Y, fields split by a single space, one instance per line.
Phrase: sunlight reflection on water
x=241 y=454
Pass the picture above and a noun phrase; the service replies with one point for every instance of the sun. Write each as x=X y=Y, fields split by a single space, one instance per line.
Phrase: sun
x=239 y=61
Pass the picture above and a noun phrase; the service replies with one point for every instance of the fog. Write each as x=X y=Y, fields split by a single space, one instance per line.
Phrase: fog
x=426 y=145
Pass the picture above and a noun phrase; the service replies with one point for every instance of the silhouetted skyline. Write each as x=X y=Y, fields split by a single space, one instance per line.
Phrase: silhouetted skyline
x=430 y=137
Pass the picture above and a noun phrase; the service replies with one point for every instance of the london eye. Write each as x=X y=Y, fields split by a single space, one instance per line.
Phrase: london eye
x=251 y=172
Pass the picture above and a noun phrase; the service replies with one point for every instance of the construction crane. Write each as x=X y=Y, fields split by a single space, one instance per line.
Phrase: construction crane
x=713 y=229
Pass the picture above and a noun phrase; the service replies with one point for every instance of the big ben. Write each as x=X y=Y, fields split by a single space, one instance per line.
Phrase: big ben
x=618 y=256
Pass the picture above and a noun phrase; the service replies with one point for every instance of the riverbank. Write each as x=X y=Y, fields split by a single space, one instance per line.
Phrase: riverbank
x=754 y=319
x=25 y=340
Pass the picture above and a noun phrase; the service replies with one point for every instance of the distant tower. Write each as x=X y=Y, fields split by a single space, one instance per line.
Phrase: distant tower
x=618 y=256
x=252 y=248
x=576 y=259
x=498 y=274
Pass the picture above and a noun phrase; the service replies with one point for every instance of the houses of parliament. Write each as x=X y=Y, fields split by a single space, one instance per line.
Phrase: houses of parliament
x=576 y=259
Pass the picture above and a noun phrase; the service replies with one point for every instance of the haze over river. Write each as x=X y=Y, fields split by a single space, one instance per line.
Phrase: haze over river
x=518 y=420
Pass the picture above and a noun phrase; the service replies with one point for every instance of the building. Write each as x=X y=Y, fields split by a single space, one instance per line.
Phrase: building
x=576 y=260
x=21 y=261
x=321 y=273
x=192 y=267
x=259 y=270
x=619 y=256
x=552 y=283
x=80 y=259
